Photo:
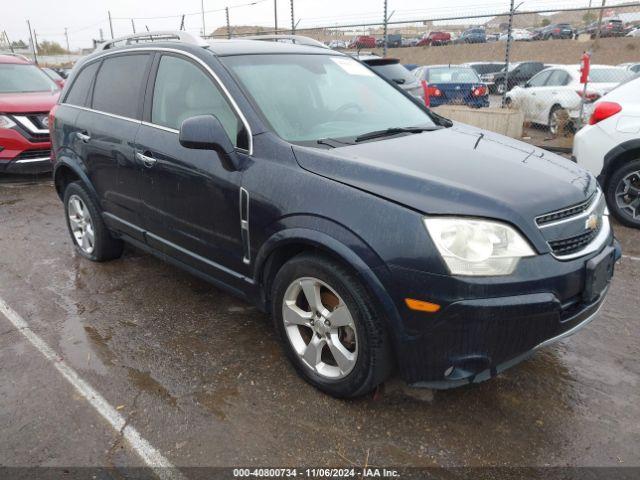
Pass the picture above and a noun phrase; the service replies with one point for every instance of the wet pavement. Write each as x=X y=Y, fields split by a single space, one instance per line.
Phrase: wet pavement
x=200 y=376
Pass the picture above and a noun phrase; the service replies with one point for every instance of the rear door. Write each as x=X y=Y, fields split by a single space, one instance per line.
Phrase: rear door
x=108 y=131
x=192 y=201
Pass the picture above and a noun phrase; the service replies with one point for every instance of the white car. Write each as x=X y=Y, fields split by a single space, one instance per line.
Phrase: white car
x=518 y=35
x=552 y=97
x=633 y=66
x=610 y=148
x=634 y=33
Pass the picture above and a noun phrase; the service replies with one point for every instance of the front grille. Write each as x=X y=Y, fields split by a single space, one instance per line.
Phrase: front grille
x=564 y=213
x=574 y=244
x=30 y=154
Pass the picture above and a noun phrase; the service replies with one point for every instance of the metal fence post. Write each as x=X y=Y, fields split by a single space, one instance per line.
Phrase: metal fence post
x=228 y=23
x=33 y=44
x=508 y=55
x=275 y=17
x=386 y=32
x=293 y=21
x=110 y=24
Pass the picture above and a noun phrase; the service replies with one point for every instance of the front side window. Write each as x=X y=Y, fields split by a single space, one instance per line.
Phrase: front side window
x=24 y=78
x=311 y=97
x=79 y=92
x=119 y=86
x=183 y=90
x=540 y=79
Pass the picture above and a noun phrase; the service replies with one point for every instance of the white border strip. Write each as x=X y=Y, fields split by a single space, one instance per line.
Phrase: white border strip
x=152 y=457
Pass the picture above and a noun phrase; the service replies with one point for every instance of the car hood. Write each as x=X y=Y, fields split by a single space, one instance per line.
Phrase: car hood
x=31 y=102
x=460 y=170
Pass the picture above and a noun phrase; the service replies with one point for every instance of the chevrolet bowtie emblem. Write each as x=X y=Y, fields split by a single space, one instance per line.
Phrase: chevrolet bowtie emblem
x=592 y=222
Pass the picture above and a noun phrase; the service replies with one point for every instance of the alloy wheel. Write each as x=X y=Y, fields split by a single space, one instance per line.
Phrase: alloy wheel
x=320 y=328
x=81 y=224
x=628 y=195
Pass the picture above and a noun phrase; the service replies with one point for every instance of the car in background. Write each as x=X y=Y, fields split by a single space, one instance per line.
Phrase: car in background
x=611 y=27
x=609 y=147
x=453 y=85
x=486 y=71
x=337 y=44
x=26 y=96
x=394 y=40
x=635 y=32
x=410 y=66
x=519 y=74
x=555 y=31
x=633 y=66
x=435 y=39
x=363 y=41
x=553 y=97
x=473 y=35
x=493 y=37
x=55 y=76
x=391 y=69
x=517 y=35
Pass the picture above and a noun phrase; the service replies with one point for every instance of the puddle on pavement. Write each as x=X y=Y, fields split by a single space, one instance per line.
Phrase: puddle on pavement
x=218 y=400
x=145 y=382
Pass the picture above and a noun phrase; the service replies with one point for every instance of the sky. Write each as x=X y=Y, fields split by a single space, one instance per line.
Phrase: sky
x=83 y=19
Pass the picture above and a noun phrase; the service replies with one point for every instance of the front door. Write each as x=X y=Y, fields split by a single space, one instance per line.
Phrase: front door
x=192 y=202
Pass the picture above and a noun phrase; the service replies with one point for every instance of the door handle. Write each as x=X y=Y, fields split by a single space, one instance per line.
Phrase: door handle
x=83 y=137
x=147 y=160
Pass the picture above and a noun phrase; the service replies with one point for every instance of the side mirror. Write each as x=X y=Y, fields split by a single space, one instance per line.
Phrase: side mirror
x=205 y=132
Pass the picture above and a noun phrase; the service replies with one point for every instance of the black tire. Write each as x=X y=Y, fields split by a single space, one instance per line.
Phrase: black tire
x=105 y=247
x=560 y=127
x=613 y=183
x=501 y=88
x=374 y=361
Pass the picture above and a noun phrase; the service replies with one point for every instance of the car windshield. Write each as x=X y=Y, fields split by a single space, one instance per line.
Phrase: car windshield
x=306 y=98
x=452 y=75
x=395 y=72
x=609 y=75
x=20 y=78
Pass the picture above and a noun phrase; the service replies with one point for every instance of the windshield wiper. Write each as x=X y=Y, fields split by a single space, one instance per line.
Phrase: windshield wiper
x=331 y=142
x=394 y=131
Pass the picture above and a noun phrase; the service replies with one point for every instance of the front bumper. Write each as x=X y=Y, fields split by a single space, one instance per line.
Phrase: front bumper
x=474 y=338
x=21 y=155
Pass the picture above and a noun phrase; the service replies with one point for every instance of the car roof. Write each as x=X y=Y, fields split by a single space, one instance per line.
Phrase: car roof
x=261 y=47
x=15 y=59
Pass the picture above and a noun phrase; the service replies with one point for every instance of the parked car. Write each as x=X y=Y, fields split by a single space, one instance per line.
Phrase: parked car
x=473 y=35
x=609 y=147
x=363 y=41
x=393 y=41
x=493 y=37
x=632 y=66
x=392 y=70
x=410 y=66
x=486 y=71
x=55 y=76
x=555 y=31
x=519 y=74
x=634 y=33
x=338 y=44
x=553 y=97
x=381 y=237
x=26 y=96
x=434 y=39
x=453 y=85
x=517 y=35
x=610 y=28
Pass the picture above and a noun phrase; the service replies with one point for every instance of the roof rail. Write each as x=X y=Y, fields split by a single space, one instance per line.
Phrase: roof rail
x=297 y=39
x=157 y=36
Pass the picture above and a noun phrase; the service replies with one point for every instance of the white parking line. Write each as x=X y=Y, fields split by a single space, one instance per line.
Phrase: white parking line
x=152 y=457
x=629 y=257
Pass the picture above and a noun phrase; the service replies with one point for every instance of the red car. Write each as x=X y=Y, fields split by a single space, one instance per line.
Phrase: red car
x=363 y=41
x=434 y=39
x=26 y=96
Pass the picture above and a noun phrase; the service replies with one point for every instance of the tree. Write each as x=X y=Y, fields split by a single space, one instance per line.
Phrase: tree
x=545 y=22
x=46 y=47
x=18 y=44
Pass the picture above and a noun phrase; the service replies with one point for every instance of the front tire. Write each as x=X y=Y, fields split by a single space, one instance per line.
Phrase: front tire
x=89 y=233
x=501 y=88
x=623 y=194
x=329 y=327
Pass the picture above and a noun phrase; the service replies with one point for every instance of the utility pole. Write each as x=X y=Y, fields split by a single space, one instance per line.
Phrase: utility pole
x=275 y=16
x=386 y=30
x=33 y=45
x=8 y=41
x=293 y=21
x=228 y=23
x=595 y=43
x=182 y=22
x=101 y=35
x=204 y=29
x=133 y=26
x=66 y=35
x=110 y=25
x=508 y=55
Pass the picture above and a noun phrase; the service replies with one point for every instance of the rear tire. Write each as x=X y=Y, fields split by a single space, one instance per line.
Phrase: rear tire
x=344 y=354
x=559 y=120
x=623 y=194
x=88 y=232
x=501 y=88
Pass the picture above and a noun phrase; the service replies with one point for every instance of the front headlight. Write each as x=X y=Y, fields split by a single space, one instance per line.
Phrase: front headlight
x=477 y=247
x=6 y=122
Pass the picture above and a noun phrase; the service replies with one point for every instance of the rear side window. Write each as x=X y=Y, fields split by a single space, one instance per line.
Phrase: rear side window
x=79 y=92
x=119 y=85
x=182 y=90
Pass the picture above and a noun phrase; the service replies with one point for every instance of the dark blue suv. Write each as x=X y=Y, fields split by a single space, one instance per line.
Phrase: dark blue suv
x=380 y=236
